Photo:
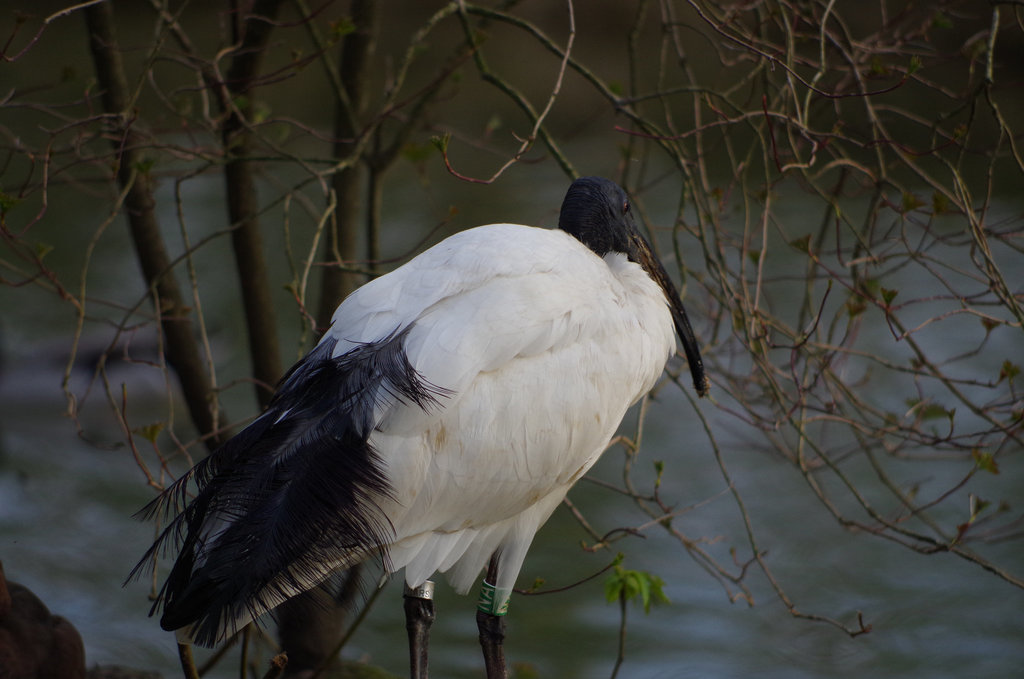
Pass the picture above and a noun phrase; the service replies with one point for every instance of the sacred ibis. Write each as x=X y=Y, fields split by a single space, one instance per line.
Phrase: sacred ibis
x=437 y=424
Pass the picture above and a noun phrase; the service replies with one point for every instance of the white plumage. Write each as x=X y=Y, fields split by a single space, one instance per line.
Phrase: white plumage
x=438 y=423
x=499 y=314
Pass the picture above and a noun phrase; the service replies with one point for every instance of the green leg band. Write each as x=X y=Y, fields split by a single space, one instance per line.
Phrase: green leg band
x=488 y=602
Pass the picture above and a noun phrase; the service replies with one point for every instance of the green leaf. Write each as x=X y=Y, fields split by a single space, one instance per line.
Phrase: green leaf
x=612 y=589
x=440 y=142
x=978 y=505
x=145 y=165
x=494 y=123
x=888 y=295
x=941 y=20
x=934 y=411
x=911 y=202
x=915 y=64
x=7 y=201
x=985 y=461
x=624 y=584
x=1008 y=371
x=803 y=243
x=961 y=530
x=261 y=112
x=43 y=249
x=630 y=585
x=643 y=587
x=342 y=27
x=940 y=203
x=150 y=431
x=929 y=410
x=855 y=306
x=738 y=319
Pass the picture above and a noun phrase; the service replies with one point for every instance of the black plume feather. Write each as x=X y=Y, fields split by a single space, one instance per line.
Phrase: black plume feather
x=291 y=497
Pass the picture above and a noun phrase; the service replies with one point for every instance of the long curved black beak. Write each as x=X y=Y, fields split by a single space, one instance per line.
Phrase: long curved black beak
x=656 y=271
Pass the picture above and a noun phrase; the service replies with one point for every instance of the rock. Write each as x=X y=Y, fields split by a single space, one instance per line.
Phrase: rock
x=34 y=644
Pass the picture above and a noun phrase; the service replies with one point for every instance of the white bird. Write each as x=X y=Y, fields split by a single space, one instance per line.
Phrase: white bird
x=436 y=426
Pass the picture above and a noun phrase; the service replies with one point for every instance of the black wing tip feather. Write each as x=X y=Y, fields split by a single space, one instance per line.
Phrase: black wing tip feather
x=294 y=518
x=209 y=630
x=169 y=505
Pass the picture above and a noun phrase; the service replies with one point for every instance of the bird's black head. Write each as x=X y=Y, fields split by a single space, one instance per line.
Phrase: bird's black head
x=596 y=211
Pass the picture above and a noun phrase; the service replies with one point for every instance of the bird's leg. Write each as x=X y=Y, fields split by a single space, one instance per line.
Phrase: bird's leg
x=419 y=615
x=492 y=634
x=490 y=620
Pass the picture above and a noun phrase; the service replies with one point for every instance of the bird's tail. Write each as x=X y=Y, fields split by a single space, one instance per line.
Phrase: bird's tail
x=288 y=500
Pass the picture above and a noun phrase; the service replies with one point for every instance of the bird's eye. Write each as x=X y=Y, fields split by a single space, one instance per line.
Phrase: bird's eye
x=625 y=207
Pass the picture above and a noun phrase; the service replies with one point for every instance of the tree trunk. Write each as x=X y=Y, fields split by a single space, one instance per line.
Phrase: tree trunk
x=252 y=32
x=343 y=236
x=181 y=349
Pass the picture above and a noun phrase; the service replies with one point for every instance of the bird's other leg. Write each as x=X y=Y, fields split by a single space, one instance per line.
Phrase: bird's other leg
x=490 y=620
x=419 y=615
